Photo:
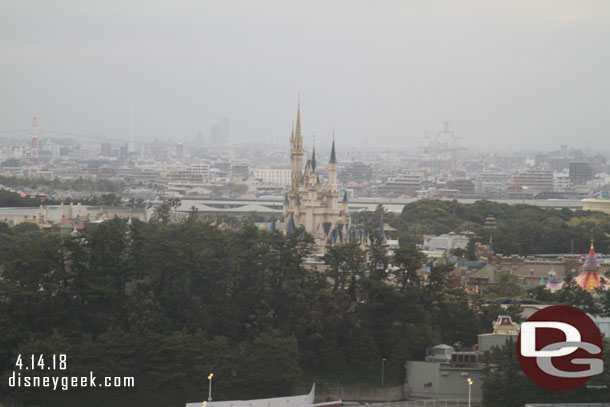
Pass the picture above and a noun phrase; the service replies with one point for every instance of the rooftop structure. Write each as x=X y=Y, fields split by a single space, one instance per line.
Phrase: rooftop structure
x=445 y=242
x=447 y=369
x=535 y=179
x=304 y=400
x=554 y=282
x=591 y=279
x=504 y=325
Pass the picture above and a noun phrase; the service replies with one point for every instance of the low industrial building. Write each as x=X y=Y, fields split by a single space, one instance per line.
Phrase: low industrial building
x=445 y=372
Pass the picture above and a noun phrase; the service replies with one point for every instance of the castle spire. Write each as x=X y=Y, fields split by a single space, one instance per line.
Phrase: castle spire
x=313 y=155
x=332 y=175
x=296 y=153
x=298 y=136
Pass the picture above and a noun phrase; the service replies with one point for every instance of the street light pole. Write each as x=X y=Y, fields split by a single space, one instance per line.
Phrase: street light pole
x=469 y=387
x=210 y=387
x=382 y=371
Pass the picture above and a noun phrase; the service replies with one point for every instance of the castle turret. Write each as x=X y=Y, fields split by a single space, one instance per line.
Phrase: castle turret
x=286 y=206
x=297 y=206
x=291 y=226
x=332 y=168
x=333 y=191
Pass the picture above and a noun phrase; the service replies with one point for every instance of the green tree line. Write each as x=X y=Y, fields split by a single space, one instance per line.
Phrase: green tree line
x=168 y=303
x=79 y=184
x=520 y=229
x=12 y=199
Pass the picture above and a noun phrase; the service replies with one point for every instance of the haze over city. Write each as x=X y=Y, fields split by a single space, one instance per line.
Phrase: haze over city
x=518 y=74
x=280 y=203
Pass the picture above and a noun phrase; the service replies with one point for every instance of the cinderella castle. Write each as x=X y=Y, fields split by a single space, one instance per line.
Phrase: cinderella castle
x=313 y=206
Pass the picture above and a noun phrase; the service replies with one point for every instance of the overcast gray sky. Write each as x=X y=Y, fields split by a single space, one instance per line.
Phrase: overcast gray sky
x=508 y=73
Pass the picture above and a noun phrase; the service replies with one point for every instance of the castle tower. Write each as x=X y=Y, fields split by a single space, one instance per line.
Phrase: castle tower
x=333 y=189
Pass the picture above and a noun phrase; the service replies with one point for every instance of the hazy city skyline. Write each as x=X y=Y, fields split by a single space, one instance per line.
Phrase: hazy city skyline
x=512 y=74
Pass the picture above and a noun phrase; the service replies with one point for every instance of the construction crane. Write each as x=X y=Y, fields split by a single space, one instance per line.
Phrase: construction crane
x=440 y=149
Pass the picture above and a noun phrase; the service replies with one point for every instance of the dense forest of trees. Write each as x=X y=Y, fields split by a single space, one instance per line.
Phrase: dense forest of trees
x=79 y=184
x=521 y=229
x=168 y=303
x=12 y=199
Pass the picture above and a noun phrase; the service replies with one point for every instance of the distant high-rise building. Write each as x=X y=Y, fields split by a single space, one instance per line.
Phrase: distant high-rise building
x=221 y=131
x=106 y=150
x=537 y=180
x=199 y=138
x=355 y=171
x=558 y=163
x=561 y=181
x=225 y=126
x=403 y=184
x=540 y=160
x=465 y=186
x=275 y=176
x=180 y=152
x=580 y=172
x=215 y=134
x=240 y=171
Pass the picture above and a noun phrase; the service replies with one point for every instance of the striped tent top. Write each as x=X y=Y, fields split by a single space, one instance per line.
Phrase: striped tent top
x=591 y=279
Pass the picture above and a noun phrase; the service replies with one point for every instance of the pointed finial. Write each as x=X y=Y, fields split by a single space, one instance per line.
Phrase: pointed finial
x=297 y=132
x=592 y=248
x=333 y=157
